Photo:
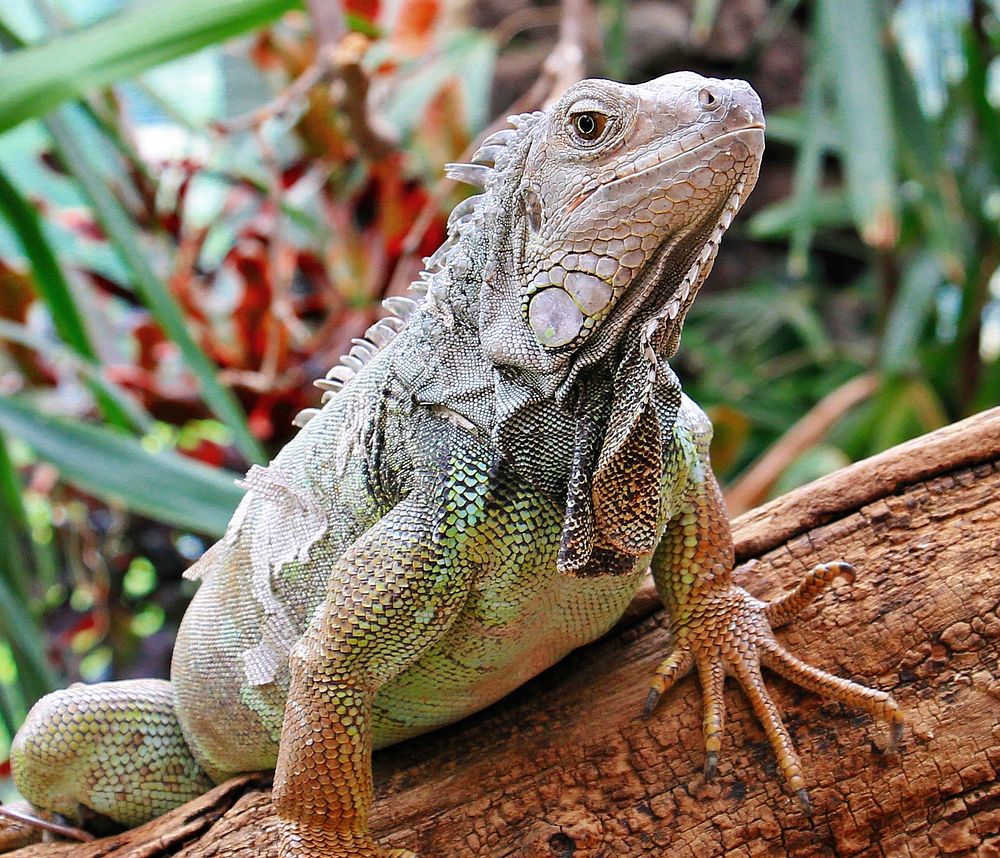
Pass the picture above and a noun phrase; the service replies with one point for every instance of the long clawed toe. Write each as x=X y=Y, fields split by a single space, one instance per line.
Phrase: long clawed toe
x=769 y=716
x=738 y=640
x=779 y=611
x=671 y=669
x=713 y=680
x=879 y=704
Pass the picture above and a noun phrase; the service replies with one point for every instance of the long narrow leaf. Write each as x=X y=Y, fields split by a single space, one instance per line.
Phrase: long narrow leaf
x=785 y=217
x=979 y=87
x=11 y=506
x=38 y=79
x=16 y=626
x=91 y=372
x=923 y=155
x=49 y=279
x=790 y=126
x=909 y=314
x=51 y=284
x=852 y=36
x=154 y=293
x=10 y=716
x=13 y=521
x=10 y=41
x=616 y=38
x=116 y=468
x=808 y=171
x=28 y=644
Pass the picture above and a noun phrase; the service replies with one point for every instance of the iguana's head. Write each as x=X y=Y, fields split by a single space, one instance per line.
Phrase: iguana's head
x=603 y=215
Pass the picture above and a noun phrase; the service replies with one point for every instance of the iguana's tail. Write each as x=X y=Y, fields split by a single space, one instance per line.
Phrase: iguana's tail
x=114 y=749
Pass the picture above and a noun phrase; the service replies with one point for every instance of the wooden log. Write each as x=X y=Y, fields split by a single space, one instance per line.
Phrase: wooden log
x=566 y=767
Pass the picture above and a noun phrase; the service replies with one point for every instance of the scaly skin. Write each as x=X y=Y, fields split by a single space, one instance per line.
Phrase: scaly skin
x=483 y=495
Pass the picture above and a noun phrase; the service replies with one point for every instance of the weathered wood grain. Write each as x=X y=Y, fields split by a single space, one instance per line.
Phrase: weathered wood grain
x=565 y=767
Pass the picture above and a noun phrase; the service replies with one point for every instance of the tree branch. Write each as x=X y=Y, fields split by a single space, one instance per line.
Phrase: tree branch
x=566 y=766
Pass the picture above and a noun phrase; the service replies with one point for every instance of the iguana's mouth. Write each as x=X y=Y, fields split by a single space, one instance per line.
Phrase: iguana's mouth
x=656 y=162
x=651 y=164
x=644 y=302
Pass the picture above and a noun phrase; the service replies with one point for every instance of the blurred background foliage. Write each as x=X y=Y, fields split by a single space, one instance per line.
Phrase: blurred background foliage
x=201 y=204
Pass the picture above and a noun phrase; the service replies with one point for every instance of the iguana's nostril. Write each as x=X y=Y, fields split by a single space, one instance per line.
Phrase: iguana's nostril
x=707 y=99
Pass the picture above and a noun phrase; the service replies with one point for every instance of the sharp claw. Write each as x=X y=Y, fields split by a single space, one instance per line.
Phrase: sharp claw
x=711 y=764
x=803 y=796
x=651 y=700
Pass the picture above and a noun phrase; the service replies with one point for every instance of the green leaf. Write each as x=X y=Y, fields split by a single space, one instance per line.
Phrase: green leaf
x=791 y=126
x=10 y=490
x=16 y=626
x=851 y=35
x=38 y=79
x=808 y=172
x=615 y=14
x=51 y=284
x=49 y=279
x=980 y=69
x=116 y=468
x=123 y=235
x=924 y=159
x=909 y=313
x=10 y=718
x=27 y=642
x=785 y=218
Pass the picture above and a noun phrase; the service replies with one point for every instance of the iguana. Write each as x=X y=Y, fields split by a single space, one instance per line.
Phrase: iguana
x=494 y=470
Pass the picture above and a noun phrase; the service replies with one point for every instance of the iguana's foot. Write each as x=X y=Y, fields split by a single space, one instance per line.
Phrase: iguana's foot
x=727 y=631
x=299 y=840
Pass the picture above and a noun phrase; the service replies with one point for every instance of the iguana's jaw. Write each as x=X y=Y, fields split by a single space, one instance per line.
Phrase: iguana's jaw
x=620 y=234
x=660 y=293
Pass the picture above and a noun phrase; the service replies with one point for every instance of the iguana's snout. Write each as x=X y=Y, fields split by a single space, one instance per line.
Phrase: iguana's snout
x=618 y=211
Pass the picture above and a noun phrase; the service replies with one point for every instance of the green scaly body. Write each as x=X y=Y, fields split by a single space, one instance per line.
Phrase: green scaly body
x=492 y=474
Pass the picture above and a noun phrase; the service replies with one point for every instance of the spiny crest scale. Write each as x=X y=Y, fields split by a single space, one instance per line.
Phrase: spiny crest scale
x=486 y=166
x=362 y=351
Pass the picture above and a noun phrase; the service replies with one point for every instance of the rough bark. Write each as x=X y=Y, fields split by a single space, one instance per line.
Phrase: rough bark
x=565 y=767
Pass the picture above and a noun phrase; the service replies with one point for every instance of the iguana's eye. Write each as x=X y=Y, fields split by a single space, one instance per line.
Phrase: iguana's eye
x=589 y=125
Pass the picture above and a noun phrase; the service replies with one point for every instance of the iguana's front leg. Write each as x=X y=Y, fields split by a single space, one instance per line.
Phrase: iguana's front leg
x=392 y=595
x=721 y=629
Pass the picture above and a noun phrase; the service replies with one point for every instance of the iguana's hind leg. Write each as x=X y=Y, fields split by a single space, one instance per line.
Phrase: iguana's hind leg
x=114 y=749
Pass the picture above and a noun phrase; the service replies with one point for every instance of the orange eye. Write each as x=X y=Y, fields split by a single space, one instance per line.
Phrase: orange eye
x=589 y=125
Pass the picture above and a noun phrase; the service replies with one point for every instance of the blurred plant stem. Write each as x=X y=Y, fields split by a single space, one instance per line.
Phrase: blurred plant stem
x=151 y=288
